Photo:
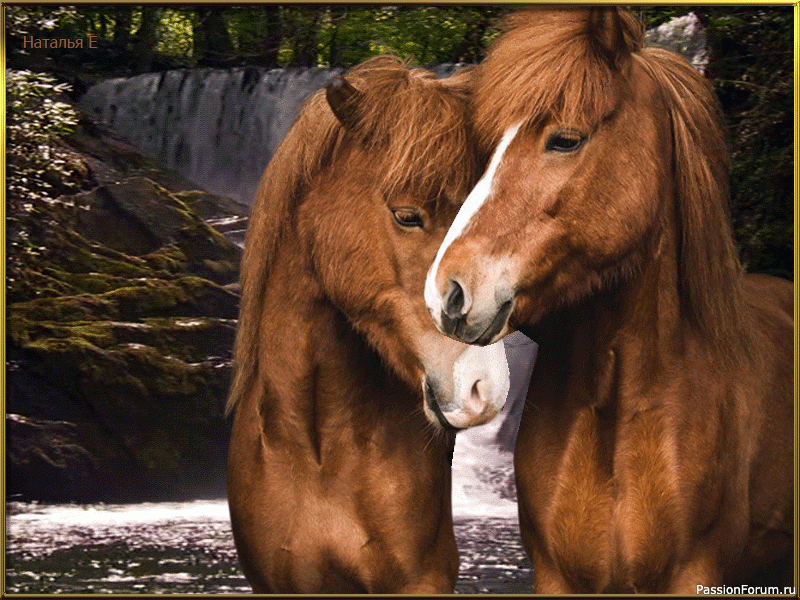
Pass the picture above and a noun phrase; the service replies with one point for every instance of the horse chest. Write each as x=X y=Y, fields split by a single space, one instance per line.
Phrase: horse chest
x=331 y=540
x=318 y=543
x=610 y=514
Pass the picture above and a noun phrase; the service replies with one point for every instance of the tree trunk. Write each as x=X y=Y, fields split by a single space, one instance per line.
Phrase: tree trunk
x=335 y=57
x=305 y=40
x=471 y=48
x=272 y=36
x=122 y=26
x=216 y=48
x=146 y=38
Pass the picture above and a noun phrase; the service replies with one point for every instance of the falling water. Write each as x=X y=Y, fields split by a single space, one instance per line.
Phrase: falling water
x=218 y=127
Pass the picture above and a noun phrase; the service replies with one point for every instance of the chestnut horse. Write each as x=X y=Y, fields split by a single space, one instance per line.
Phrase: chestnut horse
x=346 y=395
x=655 y=452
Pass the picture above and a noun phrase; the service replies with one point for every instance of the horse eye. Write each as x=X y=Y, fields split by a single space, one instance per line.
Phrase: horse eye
x=564 y=141
x=407 y=217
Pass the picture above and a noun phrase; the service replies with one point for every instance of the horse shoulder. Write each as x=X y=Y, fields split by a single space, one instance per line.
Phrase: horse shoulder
x=770 y=298
x=771 y=304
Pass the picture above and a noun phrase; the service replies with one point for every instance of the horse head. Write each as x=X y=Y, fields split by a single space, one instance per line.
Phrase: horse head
x=368 y=180
x=604 y=155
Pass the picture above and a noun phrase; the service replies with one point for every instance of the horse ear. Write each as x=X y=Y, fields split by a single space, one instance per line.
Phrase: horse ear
x=343 y=99
x=614 y=34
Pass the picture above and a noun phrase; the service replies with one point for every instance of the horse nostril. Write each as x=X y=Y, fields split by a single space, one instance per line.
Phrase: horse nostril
x=454 y=305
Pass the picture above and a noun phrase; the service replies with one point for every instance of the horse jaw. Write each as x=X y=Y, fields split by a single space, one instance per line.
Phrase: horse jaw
x=465 y=388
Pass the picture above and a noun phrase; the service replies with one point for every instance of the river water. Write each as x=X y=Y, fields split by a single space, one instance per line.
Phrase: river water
x=187 y=547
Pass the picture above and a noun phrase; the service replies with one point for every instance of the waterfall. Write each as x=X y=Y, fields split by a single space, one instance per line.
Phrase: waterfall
x=217 y=127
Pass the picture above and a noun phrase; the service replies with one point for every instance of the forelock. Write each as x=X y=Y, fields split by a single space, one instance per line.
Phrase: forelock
x=544 y=66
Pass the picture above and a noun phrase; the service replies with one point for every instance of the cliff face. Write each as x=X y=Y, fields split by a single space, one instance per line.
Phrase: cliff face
x=121 y=306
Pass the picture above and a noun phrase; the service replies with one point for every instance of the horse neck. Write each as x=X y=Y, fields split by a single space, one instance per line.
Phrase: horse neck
x=321 y=387
x=633 y=339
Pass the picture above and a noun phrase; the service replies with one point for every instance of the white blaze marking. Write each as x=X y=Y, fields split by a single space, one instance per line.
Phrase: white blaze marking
x=476 y=198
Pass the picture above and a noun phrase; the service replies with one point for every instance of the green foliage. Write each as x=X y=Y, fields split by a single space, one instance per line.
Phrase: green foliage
x=431 y=34
x=32 y=19
x=752 y=68
x=271 y=35
x=37 y=164
x=176 y=36
x=653 y=16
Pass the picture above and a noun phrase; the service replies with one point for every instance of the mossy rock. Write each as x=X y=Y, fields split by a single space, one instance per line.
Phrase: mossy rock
x=93 y=258
x=139 y=217
x=209 y=206
x=90 y=283
x=120 y=320
x=169 y=258
x=190 y=339
x=59 y=461
x=102 y=363
x=26 y=283
x=24 y=333
x=82 y=307
x=86 y=261
x=126 y=384
x=185 y=296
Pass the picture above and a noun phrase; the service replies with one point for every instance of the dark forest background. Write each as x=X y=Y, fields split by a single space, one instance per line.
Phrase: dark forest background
x=751 y=66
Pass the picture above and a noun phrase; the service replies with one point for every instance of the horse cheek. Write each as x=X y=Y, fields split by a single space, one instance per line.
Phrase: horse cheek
x=351 y=264
x=619 y=215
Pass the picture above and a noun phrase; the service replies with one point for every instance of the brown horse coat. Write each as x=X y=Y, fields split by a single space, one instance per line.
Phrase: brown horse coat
x=339 y=480
x=655 y=452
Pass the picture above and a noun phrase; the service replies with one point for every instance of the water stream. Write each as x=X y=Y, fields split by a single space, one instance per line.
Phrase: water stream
x=187 y=547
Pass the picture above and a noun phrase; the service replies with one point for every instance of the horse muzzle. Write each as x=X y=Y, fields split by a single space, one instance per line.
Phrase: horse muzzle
x=468 y=317
x=476 y=392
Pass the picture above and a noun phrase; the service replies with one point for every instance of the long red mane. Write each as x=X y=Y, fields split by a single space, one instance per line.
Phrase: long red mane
x=416 y=136
x=548 y=64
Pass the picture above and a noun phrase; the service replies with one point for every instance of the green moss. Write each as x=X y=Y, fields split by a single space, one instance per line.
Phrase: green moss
x=91 y=283
x=184 y=296
x=84 y=261
x=26 y=333
x=72 y=345
x=190 y=339
x=83 y=307
x=138 y=345
x=158 y=297
x=221 y=267
x=27 y=283
x=194 y=242
x=207 y=205
x=168 y=258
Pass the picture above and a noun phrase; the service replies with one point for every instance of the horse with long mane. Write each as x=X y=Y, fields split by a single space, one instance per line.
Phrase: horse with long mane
x=655 y=452
x=346 y=396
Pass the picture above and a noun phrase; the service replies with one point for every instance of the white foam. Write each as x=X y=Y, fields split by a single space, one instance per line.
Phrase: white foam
x=476 y=452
